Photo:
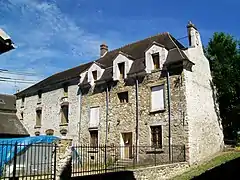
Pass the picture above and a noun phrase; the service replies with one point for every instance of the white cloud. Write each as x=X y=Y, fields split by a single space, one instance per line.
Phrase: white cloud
x=47 y=40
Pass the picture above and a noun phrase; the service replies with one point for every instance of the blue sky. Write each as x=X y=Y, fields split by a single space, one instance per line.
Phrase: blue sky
x=53 y=35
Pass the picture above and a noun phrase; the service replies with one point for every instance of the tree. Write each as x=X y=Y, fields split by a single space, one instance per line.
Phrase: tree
x=224 y=56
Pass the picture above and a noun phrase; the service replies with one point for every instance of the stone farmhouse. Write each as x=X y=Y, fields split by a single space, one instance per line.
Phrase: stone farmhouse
x=154 y=92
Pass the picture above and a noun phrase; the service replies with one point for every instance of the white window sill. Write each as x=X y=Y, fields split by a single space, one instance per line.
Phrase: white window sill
x=157 y=110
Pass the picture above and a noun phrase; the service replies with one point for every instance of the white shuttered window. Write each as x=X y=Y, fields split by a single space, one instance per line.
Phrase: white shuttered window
x=94 y=117
x=157 y=98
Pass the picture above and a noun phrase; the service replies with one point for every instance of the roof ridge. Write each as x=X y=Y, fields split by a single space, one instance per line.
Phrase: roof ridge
x=135 y=42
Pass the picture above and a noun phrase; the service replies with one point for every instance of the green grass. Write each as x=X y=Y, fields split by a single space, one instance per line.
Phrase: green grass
x=218 y=160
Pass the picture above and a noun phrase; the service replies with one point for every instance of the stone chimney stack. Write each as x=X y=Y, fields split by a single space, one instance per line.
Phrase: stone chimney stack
x=193 y=35
x=103 y=49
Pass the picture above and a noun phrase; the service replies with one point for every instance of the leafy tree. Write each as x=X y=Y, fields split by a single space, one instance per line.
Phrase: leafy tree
x=224 y=56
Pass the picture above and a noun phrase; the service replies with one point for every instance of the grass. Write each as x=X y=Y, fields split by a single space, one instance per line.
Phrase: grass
x=218 y=160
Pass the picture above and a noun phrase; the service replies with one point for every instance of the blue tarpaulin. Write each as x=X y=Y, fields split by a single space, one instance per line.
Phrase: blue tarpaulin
x=7 y=146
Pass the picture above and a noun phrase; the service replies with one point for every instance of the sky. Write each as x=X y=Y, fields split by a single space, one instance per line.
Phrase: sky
x=54 y=35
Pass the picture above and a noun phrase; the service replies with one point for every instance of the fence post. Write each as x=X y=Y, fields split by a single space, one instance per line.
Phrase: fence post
x=155 y=156
x=15 y=161
x=105 y=159
x=55 y=162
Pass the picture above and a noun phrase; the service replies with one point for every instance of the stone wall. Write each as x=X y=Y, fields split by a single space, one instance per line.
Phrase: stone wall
x=122 y=116
x=205 y=129
x=160 y=172
x=51 y=117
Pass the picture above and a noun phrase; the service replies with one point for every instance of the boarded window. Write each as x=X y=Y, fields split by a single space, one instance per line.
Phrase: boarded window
x=38 y=117
x=64 y=114
x=121 y=67
x=157 y=98
x=94 y=138
x=65 y=91
x=156 y=136
x=123 y=97
x=94 y=74
x=156 y=62
x=94 y=117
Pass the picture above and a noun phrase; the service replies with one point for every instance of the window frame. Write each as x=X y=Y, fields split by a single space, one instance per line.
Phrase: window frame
x=95 y=75
x=38 y=118
x=154 y=55
x=164 y=98
x=159 y=143
x=65 y=90
x=64 y=117
x=121 y=66
x=89 y=125
x=96 y=141
x=119 y=98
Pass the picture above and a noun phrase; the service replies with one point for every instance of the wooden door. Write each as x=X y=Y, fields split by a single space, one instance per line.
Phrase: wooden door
x=127 y=139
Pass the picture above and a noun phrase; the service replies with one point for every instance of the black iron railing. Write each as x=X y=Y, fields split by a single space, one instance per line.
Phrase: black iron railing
x=93 y=160
x=35 y=161
x=39 y=161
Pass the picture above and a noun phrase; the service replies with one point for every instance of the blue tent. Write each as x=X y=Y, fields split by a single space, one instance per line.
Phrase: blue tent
x=7 y=146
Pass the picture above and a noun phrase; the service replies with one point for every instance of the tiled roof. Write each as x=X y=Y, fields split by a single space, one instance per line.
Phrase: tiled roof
x=136 y=51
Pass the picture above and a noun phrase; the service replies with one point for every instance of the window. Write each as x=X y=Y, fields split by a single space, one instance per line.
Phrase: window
x=23 y=101
x=121 y=67
x=94 y=138
x=38 y=117
x=94 y=74
x=123 y=97
x=156 y=136
x=64 y=114
x=39 y=97
x=157 y=98
x=21 y=114
x=94 y=117
x=156 y=62
x=49 y=132
x=65 y=91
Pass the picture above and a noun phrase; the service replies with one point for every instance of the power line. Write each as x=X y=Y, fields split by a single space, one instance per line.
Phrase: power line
x=16 y=79
x=18 y=72
x=11 y=81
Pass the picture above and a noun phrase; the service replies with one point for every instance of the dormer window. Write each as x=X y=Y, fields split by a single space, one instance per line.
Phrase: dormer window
x=94 y=74
x=121 y=67
x=156 y=62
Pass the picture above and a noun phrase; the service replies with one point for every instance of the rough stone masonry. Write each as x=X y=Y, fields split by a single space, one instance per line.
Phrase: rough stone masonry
x=115 y=94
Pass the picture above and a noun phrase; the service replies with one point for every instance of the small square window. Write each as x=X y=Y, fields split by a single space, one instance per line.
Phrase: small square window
x=156 y=62
x=123 y=97
x=121 y=67
x=94 y=138
x=156 y=133
x=94 y=74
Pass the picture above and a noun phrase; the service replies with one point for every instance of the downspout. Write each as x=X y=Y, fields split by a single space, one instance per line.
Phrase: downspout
x=137 y=119
x=107 y=107
x=169 y=118
x=80 y=115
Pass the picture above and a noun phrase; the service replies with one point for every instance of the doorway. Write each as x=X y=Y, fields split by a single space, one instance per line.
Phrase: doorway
x=127 y=145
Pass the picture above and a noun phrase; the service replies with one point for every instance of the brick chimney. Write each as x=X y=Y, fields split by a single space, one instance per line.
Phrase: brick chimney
x=103 y=49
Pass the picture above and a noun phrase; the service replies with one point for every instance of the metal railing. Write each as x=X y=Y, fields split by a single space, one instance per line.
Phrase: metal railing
x=101 y=159
x=24 y=161
x=39 y=161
